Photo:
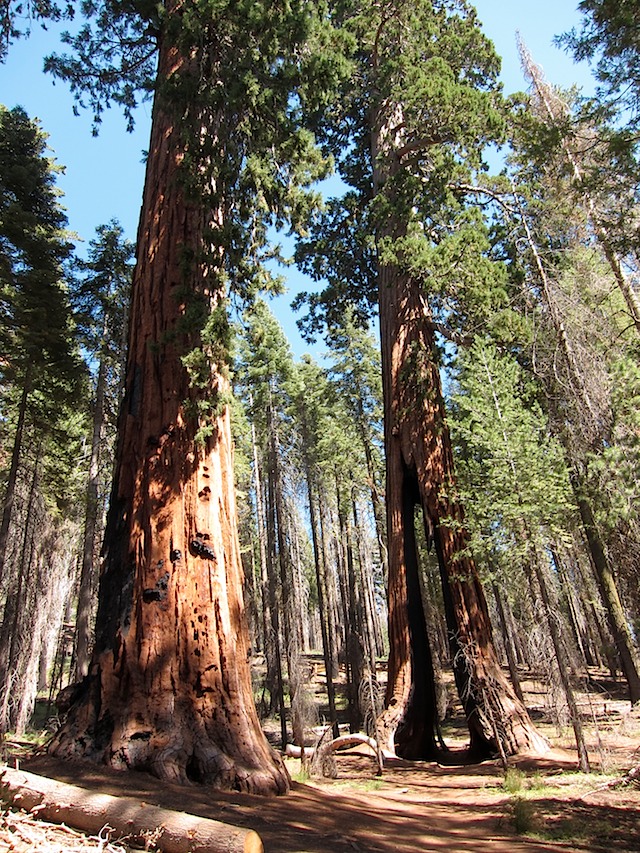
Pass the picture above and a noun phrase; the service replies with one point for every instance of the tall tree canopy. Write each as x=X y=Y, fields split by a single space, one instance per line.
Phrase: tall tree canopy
x=608 y=37
x=409 y=137
x=39 y=368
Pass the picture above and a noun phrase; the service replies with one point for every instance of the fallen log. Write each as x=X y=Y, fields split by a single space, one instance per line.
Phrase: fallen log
x=171 y=831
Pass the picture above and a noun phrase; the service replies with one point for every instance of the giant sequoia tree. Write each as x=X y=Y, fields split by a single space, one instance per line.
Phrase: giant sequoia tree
x=425 y=104
x=168 y=688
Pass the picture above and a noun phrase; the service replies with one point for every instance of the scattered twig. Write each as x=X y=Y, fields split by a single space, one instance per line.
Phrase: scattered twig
x=632 y=777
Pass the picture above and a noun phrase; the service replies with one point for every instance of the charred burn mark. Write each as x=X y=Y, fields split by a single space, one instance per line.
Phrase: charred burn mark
x=150 y=594
x=141 y=736
x=157 y=592
x=175 y=554
x=103 y=731
x=160 y=440
x=199 y=548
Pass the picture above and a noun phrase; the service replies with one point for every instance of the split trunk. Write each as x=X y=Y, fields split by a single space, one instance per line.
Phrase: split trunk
x=419 y=471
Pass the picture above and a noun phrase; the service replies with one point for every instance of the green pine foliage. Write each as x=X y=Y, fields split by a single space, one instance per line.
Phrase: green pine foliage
x=433 y=61
x=100 y=292
x=20 y=16
x=608 y=38
x=37 y=328
x=512 y=472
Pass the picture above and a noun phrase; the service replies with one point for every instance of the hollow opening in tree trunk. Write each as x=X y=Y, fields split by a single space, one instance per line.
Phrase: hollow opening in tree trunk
x=416 y=734
x=480 y=747
x=193 y=770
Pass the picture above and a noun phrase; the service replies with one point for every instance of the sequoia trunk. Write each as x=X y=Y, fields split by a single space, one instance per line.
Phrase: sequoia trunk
x=169 y=687
x=419 y=469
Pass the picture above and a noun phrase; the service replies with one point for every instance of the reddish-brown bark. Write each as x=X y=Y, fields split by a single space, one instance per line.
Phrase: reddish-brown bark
x=169 y=686
x=420 y=472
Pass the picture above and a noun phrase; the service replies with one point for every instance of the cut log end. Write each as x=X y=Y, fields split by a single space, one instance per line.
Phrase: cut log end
x=253 y=843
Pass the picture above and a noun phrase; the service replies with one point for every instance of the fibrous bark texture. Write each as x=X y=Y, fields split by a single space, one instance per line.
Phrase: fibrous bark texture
x=169 y=686
x=419 y=471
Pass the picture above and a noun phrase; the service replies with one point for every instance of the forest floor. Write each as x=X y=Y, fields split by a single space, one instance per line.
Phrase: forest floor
x=540 y=804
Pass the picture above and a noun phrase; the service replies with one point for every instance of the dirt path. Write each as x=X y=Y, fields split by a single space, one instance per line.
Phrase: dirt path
x=413 y=808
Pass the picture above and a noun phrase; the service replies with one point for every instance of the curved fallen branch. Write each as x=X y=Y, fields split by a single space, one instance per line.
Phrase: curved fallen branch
x=173 y=832
x=335 y=745
x=632 y=777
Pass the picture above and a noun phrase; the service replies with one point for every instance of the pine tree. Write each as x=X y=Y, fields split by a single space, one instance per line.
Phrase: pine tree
x=608 y=37
x=521 y=488
x=583 y=341
x=266 y=372
x=101 y=302
x=41 y=376
x=18 y=17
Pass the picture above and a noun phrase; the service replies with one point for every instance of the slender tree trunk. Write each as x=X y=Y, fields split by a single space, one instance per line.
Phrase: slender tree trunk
x=17 y=616
x=583 y=583
x=327 y=647
x=290 y=625
x=274 y=605
x=376 y=503
x=10 y=493
x=262 y=550
x=573 y=605
x=354 y=649
x=562 y=660
x=367 y=614
x=87 y=572
x=333 y=625
x=169 y=687
x=618 y=624
x=508 y=643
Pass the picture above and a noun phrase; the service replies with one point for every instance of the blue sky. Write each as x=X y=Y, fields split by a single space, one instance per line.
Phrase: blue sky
x=104 y=175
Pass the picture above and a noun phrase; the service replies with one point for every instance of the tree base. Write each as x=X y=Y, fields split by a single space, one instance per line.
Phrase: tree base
x=185 y=751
